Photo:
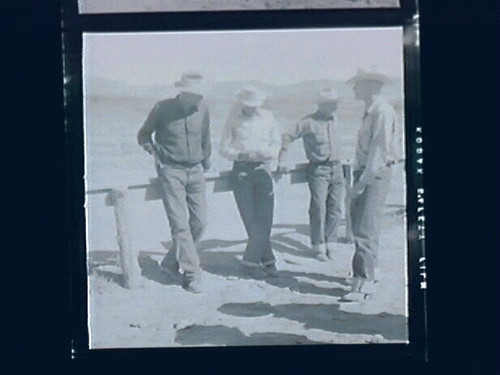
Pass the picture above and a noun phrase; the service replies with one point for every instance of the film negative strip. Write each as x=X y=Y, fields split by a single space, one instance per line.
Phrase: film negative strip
x=200 y=221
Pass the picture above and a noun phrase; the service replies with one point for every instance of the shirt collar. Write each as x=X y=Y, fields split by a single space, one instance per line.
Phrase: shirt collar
x=376 y=102
x=257 y=113
x=322 y=117
x=190 y=110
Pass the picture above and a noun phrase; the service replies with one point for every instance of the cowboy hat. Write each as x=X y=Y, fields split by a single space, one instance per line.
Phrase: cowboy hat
x=372 y=75
x=251 y=97
x=327 y=95
x=191 y=82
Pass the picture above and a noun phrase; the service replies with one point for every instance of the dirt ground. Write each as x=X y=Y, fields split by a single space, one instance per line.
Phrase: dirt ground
x=300 y=307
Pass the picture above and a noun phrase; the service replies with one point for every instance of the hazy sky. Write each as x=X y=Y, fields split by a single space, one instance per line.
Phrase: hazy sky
x=272 y=56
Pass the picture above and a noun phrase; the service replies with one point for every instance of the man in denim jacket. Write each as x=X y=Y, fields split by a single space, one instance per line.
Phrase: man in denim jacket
x=182 y=148
x=319 y=132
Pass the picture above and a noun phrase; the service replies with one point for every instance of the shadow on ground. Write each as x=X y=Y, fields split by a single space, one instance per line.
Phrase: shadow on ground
x=220 y=257
x=326 y=317
x=225 y=263
x=224 y=336
x=150 y=269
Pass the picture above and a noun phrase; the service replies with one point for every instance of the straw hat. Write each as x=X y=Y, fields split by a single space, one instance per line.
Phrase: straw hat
x=191 y=82
x=327 y=95
x=251 y=97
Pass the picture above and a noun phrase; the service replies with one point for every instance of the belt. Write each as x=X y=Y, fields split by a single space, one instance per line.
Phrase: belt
x=388 y=164
x=251 y=164
x=325 y=162
x=174 y=163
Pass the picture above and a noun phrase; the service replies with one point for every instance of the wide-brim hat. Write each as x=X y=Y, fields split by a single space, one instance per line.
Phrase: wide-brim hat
x=251 y=97
x=191 y=82
x=370 y=75
x=326 y=95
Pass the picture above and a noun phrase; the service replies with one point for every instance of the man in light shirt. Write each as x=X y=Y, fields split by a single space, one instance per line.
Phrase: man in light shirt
x=177 y=133
x=319 y=132
x=251 y=139
x=375 y=154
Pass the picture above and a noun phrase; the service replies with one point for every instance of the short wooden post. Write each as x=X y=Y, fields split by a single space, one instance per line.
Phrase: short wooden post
x=348 y=183
x=129 y=261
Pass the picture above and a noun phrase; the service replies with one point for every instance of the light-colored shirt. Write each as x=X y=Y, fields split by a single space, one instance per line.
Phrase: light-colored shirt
x=320 y=136
x=257 y=136
x=376 y=145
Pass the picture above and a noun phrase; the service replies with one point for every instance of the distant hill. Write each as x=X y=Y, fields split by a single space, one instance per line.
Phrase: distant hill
x=102 y=87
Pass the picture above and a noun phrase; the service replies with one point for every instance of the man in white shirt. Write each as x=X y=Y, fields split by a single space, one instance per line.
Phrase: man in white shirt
x=251 y=139
x=375 y=154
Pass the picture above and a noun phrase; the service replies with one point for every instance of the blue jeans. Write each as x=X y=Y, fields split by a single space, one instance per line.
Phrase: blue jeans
x=253 y=191
x=326 y=185
x=184 y=198
x=366 y=218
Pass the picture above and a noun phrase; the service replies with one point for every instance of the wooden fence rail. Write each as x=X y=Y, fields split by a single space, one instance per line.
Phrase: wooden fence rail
x=117 y=197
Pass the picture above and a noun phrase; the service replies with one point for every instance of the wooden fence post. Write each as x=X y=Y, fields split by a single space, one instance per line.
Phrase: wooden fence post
x=348 y=183
x=129 y=261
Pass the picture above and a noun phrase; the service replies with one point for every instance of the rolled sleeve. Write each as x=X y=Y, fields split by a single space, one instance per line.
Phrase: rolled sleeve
x=226 y=150
x=288 y=137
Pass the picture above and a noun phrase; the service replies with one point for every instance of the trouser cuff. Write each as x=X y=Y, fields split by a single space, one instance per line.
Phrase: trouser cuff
x=320 y=248
x=250 y=264
x=269 y=262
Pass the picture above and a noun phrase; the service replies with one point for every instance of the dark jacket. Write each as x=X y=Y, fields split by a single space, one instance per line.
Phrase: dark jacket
x=180 y=136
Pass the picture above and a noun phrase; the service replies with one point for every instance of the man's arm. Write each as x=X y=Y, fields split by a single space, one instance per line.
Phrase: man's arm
x=226 y=149
x=144 y=136
x=378 y=150
x=206 y=143
x=287 y=138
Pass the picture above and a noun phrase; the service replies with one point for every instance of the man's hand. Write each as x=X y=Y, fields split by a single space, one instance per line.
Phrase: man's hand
x=206 y=165
x=149 y=148
x=357 y=189
x=247 y=156
x=284 y=168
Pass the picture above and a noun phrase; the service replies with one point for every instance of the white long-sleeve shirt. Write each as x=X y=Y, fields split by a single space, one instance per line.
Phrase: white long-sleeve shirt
x=257 y=136
x=376 y=147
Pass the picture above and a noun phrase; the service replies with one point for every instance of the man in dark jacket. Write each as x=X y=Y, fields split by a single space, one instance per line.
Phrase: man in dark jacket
x=177 y=133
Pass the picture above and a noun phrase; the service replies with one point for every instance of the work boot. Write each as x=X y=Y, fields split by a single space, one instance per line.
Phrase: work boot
x=320 y=252
x=355 y=297
x=321 y=257
x=359 y=291
x=253 y=272
x=192 y=282
x=271 y=270
x=330 y=250
x=356 y=284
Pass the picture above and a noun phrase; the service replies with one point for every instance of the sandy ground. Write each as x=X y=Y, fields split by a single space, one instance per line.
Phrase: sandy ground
x=114 y=6
x=300 y=307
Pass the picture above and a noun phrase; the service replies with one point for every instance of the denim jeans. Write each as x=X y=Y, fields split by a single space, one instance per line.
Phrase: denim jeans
x=366 y=218
x=253 y=191
x=184 y=198
x=326 y=185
